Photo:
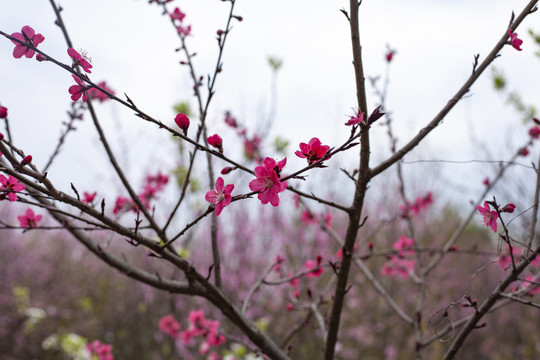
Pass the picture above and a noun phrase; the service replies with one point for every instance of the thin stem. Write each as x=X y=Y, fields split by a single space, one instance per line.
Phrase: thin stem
x=360 y=190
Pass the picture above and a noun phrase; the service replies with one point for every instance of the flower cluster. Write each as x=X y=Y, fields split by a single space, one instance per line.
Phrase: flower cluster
x=96 y=94
x=312 y=151
x=22 y=49
x=153 y=185
x=309 y=218
x=315 y=266
x=177 y=16
x=419 y=205
x=401 y=264
x=102 y=351
x=251 y=144
x=267 y=182
x=505 y=260
x=530 y=284
x=9 y=187
x=169 y=326
x=220 y=196
x=199 y=327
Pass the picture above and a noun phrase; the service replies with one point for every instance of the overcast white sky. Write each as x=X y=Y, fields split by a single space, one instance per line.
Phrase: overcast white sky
x=132 y=47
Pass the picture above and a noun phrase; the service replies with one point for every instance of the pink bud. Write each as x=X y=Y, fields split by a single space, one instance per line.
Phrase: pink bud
x=27 y=160
x=534 y=132
x=216 y=141
x=523 y=151
x=227 y=170
x=183 y=122
x=3 y=112
x=509 y=208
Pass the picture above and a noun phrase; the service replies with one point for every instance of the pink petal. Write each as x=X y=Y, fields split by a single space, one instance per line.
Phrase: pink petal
x=219 y=207
x=300 y=154
x=269 y=163
x=219 y=185
x=228 y=189
x=256 y=185
x=28 y=31
x=74 y=54
x=38 y=39
x=19 y=51
x=212 y=196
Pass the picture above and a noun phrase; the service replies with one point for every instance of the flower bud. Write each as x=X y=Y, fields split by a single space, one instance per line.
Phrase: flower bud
x=509 y=208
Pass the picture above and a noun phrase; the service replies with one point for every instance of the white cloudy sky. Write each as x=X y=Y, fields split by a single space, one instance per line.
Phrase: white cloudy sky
x=132 y=47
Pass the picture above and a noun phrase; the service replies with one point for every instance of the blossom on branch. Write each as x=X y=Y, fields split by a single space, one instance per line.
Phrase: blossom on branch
x=177 y=15
x=404 y=245
x=102 y=351
x=29 y=219
x=183 y=122
x=186 y=31
x=88 y=197
x=509 y=208
x=490 y=216
x=169 y=326
x=514 y=40
x=9 y=187
x=390 y=54
x=21 y=49
x=216 y=141
x=312 y=151
x=78 y=90
x=355 y=120
x=220 y=196
x=79 y=60
x=3 y=112
x=398 y=267
x=27 y=160
x=316 y=266
x=534 y=132
x=267 y=182
x=523 y=151
x=95 y=93
x=199 y=326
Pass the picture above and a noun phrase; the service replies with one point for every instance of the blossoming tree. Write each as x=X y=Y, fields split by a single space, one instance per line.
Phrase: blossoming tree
x=332 y=275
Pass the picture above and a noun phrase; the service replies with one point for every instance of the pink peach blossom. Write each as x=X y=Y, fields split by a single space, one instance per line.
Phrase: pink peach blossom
x=490 y=217
x=29 y=219
x=21 y=49
x=267 y=182
x=220 y=196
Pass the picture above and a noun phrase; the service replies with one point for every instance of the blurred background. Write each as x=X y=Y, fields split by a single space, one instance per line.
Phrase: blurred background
x=133 y=47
